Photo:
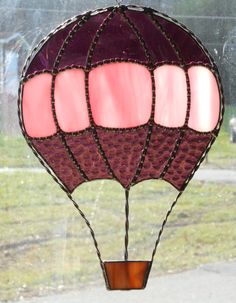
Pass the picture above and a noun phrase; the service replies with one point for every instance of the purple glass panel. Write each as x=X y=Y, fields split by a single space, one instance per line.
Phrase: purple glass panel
x=77 y=50
x=54 y=153
x=123 y=151
x=160 y=148
x=118 y=41
x=189 y=153
x=86 y=153
x=158 y=46
x=45 y=58
x=189 y=49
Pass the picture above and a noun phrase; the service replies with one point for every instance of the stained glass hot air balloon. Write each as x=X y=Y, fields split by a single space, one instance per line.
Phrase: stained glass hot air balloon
x=123 y=93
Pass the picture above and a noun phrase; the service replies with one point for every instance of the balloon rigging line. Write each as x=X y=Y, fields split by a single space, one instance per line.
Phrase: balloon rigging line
x=163 y=225
x=90 y=229
x=126 y=254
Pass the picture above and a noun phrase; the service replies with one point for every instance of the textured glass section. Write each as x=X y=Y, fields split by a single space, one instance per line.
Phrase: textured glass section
x=86 y=153
x=161 y=145
x=123 y=151
x=189 y=154
x=53 y=152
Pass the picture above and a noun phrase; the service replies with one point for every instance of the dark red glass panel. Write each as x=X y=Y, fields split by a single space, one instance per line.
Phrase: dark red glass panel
x=112 y=44
x=189 y=48
x=76 y=52
x=123 y=151
x=85 y=151
x=189 y=153
x=54 y=153
x=46 y=56
x=158 y=46
x=161 y=145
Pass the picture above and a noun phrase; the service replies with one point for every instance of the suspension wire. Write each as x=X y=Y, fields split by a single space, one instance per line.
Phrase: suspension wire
x=92 y=234
x=126 y=254
x=163 y=225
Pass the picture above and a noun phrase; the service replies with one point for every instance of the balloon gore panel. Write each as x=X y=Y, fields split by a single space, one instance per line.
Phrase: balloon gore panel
x=85 y=151
x=161 y=145
x=37 y=111
x=171 y=96
x=123 y=151
x=53 y=152
x=112 y=44
x=158 y=46
x=189 y=153
x=205 y=99
x=117 y=95
x=76 y=52
x=190 y=51
x=70 y=100
x=46 y=55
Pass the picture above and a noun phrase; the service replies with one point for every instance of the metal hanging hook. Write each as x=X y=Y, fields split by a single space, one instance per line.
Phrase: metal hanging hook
x=119 y=2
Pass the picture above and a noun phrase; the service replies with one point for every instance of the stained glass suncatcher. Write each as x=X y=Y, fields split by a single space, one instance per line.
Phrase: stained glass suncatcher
x=123 y=93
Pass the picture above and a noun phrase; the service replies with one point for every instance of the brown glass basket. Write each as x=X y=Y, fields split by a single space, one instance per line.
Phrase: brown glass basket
x=126 y=275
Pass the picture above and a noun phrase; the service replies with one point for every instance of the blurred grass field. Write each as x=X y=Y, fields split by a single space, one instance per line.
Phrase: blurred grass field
x=45 y=246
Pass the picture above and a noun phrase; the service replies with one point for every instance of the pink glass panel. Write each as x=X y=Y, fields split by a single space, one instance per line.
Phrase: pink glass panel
x=120 y=94
x=205 y=99
x=36 y=105
x=171 y=96
x=70 y=100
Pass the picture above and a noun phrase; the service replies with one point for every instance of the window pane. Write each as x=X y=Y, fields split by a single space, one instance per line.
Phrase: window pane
x=45 y=248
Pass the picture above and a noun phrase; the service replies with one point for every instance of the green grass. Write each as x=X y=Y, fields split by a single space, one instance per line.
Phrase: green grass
x=16 y=153
x=45 y=246
x=222 y=153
